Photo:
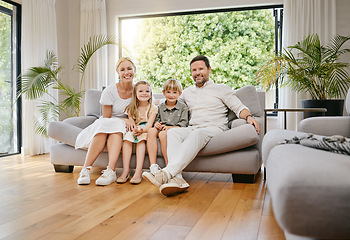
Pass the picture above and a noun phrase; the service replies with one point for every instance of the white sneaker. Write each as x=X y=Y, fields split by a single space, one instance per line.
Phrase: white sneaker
x=174 y=186
x=154 y=168
x=84 y=177
x=157 y=179
x=108 y=176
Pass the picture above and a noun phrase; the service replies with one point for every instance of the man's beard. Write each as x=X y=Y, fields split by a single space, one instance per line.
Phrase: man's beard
x=201 y=83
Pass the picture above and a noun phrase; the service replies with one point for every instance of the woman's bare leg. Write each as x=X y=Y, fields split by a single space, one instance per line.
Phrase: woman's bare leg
x=114 y=146
x=95 y=148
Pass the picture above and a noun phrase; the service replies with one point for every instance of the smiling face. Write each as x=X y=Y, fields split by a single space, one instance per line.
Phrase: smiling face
x=171 y=95
x=143 y=92
x=126 y=71
x=200 y=72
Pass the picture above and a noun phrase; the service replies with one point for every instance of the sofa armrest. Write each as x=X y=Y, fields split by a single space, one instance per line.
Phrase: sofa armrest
x=234 y=139
x=326 y=126
x=63 y=132
x=81 y=122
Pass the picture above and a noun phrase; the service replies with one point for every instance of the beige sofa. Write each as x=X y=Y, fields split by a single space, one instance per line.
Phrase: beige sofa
x=236 y=151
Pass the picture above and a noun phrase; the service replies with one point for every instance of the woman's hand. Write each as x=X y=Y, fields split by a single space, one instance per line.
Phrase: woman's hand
x=130 y=124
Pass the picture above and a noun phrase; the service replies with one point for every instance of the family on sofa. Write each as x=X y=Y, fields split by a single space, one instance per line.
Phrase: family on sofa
x=128 y=117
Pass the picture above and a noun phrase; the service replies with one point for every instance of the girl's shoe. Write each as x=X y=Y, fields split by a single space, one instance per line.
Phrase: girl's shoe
x=84 y=176
x=108 y=176
x=136 y=181
x=121 y=180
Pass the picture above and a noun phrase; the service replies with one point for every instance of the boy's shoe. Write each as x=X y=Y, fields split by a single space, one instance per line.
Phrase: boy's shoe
x=174 y=186
x=157 y=179
x=84 y=176
x=154 y=168
x=108 y=176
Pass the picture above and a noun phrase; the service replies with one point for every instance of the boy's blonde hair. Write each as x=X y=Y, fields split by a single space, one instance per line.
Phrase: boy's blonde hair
x=132 y=108
x=172 y=85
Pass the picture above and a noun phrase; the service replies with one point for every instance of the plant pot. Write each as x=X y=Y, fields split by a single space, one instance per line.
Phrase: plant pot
x=334 y=107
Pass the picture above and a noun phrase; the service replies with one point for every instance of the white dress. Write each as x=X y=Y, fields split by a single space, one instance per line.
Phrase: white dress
x=114 y=124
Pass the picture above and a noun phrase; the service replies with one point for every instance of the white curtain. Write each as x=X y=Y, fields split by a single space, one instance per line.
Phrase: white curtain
x=93 y=22
x=38 y=35
x=301 y=18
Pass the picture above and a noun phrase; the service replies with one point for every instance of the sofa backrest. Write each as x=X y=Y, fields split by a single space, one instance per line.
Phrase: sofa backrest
x=254 y=100
x=92 y=104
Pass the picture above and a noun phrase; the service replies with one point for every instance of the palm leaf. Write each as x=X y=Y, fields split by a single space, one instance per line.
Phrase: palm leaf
x=88 y=50
x=35 y=81
x=46 y=112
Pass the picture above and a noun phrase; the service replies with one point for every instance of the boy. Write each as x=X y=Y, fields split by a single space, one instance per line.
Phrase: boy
x=171 y=114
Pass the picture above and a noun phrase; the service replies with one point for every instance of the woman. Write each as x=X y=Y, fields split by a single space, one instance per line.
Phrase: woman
x=110 y=127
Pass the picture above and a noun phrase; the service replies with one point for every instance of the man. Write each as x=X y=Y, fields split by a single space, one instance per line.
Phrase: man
x=207 y=103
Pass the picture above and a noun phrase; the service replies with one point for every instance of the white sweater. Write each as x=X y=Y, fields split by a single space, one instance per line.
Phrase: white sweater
x=208 y=105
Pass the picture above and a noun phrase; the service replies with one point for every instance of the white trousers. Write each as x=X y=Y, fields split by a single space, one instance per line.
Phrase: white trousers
x=184 y=145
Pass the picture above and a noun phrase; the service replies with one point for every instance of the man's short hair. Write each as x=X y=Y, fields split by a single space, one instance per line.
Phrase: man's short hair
x=172 y=85
x=201 y=58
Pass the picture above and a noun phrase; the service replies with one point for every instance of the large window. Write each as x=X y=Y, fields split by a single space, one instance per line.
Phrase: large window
x=9 y=70
x=237 y=42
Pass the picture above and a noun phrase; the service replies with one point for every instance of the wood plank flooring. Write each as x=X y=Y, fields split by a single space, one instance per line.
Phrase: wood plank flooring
x=37 y=203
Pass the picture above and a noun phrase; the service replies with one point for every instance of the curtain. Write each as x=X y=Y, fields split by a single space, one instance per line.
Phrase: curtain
x=301 y=18
x=93 y=22
x=39 y=34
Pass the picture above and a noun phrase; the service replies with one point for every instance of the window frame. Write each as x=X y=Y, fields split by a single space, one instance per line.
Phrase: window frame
x=17 y=71
x=278 y=15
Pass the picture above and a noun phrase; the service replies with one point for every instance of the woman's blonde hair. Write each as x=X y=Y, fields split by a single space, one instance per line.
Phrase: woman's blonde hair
x=172 y=85
x=132 y=108
x=123 y=59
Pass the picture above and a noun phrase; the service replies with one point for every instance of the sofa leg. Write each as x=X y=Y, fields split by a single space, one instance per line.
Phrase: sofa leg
x=243 y=178
x=63 y=168
x=264 y=173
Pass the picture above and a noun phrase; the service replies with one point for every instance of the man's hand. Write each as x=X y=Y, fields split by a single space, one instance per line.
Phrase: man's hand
x=251 y=120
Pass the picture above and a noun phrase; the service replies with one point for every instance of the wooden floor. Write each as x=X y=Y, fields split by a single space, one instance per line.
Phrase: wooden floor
x=37 y=203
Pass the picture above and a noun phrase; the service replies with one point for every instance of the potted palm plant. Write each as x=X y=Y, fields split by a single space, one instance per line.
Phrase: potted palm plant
x=35 y=83
x=311 y=67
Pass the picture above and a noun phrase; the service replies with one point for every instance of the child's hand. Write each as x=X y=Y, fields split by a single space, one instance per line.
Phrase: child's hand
x=158 y=125
x=138 y=131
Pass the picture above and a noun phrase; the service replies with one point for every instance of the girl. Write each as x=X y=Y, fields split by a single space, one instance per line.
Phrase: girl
x=143 y=113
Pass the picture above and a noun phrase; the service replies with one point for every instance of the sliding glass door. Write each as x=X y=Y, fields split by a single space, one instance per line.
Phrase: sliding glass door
x=10 y=121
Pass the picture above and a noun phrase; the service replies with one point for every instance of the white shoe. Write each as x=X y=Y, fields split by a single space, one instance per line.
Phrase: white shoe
x=84 y=177
x=108 y=176
x=174 y=186
x=157 y=179
x=154 y=168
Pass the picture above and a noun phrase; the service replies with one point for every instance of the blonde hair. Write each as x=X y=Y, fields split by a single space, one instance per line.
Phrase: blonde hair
x=172 y=85
x=132 y=108
x=123 y=59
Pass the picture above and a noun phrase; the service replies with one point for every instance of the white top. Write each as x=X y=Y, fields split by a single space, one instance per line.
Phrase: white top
x=208 y=105
x=110 y=96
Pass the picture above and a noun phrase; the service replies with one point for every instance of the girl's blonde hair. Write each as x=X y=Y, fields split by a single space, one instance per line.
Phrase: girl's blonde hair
x=132 y=108
x=123 y=59
x=172 y=85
